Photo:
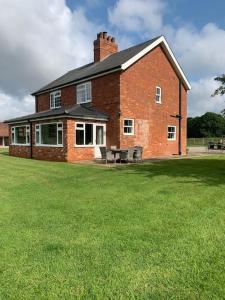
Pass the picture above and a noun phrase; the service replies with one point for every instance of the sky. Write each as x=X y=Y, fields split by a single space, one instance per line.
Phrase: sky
x=41 y=40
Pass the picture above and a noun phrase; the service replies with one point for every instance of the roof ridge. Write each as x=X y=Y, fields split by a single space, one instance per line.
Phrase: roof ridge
x=140 y=44
x=113 y=63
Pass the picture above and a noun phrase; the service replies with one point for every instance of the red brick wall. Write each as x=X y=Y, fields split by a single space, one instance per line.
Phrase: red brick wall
x=132 y=95
x=76 y=153
x=41 y=152
x=66 y=153
x=68 y=98
x=50 y=153
x=19 y=151
x=138 y=84
x=105 y=97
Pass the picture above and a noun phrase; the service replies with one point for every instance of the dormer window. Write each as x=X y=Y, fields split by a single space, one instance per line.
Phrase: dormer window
x=158 y=95
x=84 y=93
x=55 y=99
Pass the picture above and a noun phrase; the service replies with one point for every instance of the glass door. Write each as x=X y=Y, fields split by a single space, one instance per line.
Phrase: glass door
x=100 y=138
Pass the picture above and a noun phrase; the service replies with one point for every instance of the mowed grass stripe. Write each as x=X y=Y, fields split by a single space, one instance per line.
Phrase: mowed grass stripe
x=150 y=231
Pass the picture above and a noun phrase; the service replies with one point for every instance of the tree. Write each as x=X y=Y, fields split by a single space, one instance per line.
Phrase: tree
x=193 y=126
x=208 y=125
x=221 y=90
x=223 y=113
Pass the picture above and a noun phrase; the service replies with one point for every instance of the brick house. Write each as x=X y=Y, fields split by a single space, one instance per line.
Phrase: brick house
x=4 y=135
x=137 y=96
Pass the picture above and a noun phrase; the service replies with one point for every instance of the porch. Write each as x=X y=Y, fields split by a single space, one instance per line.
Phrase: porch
x=71 y=134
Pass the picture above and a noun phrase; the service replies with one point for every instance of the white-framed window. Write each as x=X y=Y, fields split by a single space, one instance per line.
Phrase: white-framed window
x=84 y=134
x=90 y=134
x=171 y=133
x=128 y=126
x=55 y=99
x=158 y=94
x=49 y=134
x=20 y=135
x=84 y=93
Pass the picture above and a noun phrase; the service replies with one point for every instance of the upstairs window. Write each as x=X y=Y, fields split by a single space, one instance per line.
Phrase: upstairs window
x=55 y=99
x=21 y=135
x=158 y=95
x=171 y=133
x=84 y=93
x=128 y=126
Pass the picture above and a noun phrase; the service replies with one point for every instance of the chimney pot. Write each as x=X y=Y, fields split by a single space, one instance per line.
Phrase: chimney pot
x=104 y=46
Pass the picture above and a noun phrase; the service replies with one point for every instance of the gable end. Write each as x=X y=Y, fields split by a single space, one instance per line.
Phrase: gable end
x=160 y=41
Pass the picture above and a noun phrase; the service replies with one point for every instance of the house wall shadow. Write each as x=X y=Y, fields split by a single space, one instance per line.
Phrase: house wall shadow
x=209 y=171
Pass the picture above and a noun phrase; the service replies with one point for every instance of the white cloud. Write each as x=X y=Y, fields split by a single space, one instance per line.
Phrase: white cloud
x=200 y=100
x=12 y=106
x=202 y=56
x=40 y=40
x=137 y=16
x=201 y=52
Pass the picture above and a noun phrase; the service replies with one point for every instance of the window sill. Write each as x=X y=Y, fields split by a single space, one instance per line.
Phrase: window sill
x=20 y=145
x=129 y=134
x=84 y=102
x=53 y=146
x=55 y=107
x=84 y=146
x=171 y=140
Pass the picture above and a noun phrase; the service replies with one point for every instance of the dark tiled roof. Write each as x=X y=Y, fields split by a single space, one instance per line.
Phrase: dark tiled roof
x=4 y=129
x=79 y=110
x=113 y=61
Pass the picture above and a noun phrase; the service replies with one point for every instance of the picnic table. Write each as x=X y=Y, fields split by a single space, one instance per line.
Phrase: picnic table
x=118 y=151
x=216 y=146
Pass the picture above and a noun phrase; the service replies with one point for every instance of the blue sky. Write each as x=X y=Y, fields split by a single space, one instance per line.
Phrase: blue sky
x=197 y=12
x=41 y=40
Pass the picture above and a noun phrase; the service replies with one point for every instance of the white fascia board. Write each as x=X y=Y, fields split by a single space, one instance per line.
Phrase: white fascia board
x=160 y=40
x=57 y=117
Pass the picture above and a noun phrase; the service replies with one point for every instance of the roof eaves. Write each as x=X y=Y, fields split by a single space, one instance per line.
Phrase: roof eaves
x=97 y=118
x=68 y=112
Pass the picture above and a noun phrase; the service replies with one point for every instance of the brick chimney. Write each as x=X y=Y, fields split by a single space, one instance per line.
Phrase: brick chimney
x=104 y=46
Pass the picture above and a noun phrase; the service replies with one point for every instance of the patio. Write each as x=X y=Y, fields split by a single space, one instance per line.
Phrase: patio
x=114 y=155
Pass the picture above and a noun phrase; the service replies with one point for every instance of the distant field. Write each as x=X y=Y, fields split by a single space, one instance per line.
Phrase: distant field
x=196 y=142
x=148 y=231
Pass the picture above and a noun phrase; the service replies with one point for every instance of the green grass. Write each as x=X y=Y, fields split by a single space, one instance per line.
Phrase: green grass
x=150 y=231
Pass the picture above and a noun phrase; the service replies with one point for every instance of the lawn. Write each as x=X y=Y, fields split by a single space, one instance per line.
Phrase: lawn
x=150 y=231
